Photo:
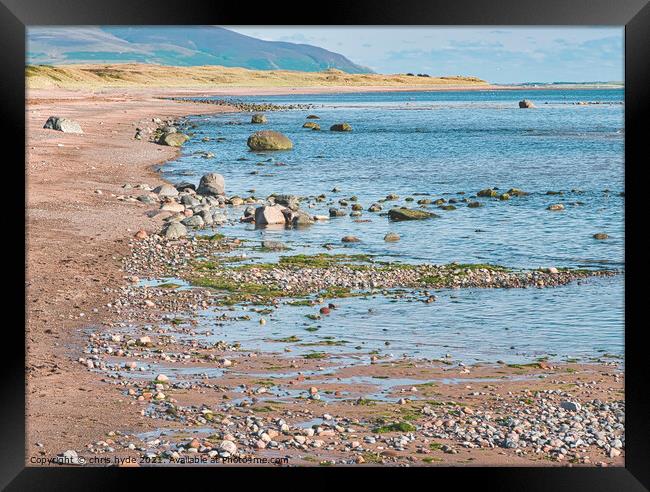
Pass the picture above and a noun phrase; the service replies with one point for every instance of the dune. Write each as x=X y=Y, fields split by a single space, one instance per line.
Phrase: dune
x=136 y=75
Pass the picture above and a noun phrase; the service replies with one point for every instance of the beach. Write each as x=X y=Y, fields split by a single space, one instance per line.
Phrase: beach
x=104 y=325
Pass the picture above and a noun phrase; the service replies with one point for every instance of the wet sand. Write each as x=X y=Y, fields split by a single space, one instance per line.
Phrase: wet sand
x=79 y=232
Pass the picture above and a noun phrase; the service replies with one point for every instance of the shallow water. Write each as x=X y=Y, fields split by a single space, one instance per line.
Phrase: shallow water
x=441 y=144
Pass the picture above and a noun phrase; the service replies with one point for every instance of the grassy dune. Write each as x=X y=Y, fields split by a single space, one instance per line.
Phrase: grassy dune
x=157 y=76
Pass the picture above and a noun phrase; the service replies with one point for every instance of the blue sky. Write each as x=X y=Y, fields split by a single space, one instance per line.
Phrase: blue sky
x=497 y=54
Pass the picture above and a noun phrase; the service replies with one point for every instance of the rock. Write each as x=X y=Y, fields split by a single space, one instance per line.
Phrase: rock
x=313 y=117
x=350 y=239
x=489 y=192
x=312 y=125
x=193 y=221
x=571 y=406
x=341 y=127
x=148 y=199
x=404 y=213
x=166 y=190
x=258 y=118
x=391 y=237
x=269 y=140
x=555 y=207
x=337 y=212
x=141 y=234
x=185 y=186
x=300 y=218
x=175 y=230
x=63 y=125
x=474 y=204
x=161 y=378
x=517 y=192
x=526 y=104
x=274 y=245
x=551 y=270
x=174 y=139
x=173 y=207
x=291 y=201
x=600 y=236
x=375 y=207
x=211 y=184
x=269 y=214
x=228 y=446
x=70 y=457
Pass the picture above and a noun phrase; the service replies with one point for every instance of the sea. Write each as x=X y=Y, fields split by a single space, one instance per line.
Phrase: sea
x=569 y=149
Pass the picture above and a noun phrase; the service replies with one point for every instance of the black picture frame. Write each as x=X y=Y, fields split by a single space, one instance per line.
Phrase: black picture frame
x=15 y=15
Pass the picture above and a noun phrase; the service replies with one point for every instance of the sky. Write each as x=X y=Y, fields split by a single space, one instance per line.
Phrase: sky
x=496 y=54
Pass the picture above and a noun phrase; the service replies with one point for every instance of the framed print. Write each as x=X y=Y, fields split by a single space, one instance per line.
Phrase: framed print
x=391 y=238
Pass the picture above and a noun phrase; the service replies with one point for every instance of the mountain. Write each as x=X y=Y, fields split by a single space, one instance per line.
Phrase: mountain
x=180 y=46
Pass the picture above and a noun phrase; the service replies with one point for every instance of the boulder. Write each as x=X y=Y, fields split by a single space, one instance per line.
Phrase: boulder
x=526 y=104
x=556 y=207
x=403 y=213
x=193 y=221
x=350 y=239
x=166 y=190
x=268 y=215
x=391 y=237
x=341 y=127
x=174 y=139
x=312 y=125
x=300 y=218
x=488 y=192
x=211 y=184
x=313 y=117
x=175 y=230
x=63 y=125
x=269 y=140
x=258 y=118
x=601 y=236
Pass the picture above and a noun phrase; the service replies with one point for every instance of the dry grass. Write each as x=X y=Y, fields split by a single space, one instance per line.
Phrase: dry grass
x=157 y=76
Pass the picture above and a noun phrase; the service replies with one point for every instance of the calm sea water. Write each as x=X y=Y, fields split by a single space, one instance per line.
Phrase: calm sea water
x=441 y=144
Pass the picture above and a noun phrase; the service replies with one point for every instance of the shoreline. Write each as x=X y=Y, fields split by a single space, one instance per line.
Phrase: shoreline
x=95 y=414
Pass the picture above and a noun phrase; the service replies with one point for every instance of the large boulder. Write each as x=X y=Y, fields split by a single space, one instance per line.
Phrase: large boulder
x=312 y=125
x=175 y=230
x=341 y=127
x=269 y=140
x=211 y=184
x=258 y=118
x=404 y=213
x=269 y=215
x=526 y=104
x=63 y=125
x=174 y=139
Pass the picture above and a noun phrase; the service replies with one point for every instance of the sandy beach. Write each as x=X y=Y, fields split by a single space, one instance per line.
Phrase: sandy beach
x=82 y=257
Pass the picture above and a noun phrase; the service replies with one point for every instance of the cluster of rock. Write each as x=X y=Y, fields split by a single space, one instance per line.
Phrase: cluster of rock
x=186 y=205
x=243 y=106
x=282 y=209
